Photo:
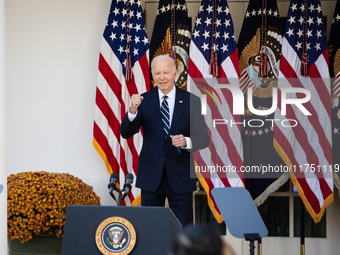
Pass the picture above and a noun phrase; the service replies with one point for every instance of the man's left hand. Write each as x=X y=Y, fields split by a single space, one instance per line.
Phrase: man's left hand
x=178 y=141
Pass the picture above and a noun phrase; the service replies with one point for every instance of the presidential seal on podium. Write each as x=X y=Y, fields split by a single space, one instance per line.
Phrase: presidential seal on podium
x=115 y=236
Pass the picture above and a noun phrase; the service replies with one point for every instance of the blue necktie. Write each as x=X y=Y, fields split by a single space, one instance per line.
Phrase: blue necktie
x=165 y=116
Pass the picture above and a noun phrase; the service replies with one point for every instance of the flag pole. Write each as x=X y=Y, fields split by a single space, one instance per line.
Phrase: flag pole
x=259 y=241
x=259 y=246
x=302 y=229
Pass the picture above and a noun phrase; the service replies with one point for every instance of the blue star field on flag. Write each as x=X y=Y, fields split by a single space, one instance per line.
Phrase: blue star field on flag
x=202 y=35
x=116 y=30
x=316 y=40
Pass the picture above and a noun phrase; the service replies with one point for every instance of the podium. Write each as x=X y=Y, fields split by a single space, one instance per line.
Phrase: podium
x=89 y=228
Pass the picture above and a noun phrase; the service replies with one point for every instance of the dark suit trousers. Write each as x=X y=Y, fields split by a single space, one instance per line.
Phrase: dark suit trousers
x=180 y=204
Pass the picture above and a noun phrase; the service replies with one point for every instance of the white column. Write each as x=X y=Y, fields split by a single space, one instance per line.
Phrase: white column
x=3 y=172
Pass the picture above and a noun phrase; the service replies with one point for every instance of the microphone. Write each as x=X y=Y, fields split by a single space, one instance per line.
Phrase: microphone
x=113 y=182
x=178 y=150
x=127 y=187
x=112 y=185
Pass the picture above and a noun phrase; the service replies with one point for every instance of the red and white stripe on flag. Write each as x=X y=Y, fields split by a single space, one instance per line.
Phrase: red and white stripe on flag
x=225 y=148
x=246 y=82
x=306 y=148
x=114 y=92
x=336 y=86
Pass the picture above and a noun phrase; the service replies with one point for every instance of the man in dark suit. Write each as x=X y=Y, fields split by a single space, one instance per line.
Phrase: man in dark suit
x=172 y=127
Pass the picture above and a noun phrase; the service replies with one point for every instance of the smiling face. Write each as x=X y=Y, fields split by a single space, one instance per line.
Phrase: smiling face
x=164 y=74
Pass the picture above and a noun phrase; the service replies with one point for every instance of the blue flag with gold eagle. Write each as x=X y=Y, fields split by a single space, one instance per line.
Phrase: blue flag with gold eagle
x=334 y=68
x=259 y=48
x=171 y=36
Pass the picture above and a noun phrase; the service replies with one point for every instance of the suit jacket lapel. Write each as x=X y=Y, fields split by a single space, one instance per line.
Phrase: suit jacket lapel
x=178 y=109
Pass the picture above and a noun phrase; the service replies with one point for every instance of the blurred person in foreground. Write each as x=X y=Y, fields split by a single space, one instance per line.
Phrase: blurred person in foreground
x=200 y=240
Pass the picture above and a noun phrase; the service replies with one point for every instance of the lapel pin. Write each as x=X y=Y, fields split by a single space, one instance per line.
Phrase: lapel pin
x=180 y=102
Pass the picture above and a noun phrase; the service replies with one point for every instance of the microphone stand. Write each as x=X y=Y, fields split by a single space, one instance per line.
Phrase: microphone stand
x=120 y=199
x=113 y=196
x=121 y=196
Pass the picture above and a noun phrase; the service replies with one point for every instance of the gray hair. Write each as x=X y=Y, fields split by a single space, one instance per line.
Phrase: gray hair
x=164 y=57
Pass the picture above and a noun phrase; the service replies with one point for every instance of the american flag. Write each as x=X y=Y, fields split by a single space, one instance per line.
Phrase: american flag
x=307 y=146
x=124 y=36
x=214 y=31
